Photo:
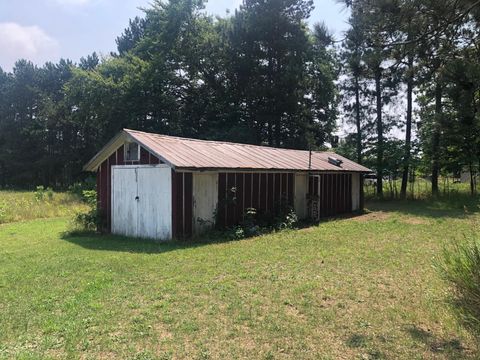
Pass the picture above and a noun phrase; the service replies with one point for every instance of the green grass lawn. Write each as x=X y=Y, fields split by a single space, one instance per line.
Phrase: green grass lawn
x=357 y=288
x=24 y=205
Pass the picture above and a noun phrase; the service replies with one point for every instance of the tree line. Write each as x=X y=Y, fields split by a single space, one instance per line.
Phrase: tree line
x=404 y=81
x=406 y=64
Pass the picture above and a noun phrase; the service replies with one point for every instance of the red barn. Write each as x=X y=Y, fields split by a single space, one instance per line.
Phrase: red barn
x=163 y=187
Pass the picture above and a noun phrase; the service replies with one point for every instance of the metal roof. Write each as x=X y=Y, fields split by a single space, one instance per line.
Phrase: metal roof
x=192 y=154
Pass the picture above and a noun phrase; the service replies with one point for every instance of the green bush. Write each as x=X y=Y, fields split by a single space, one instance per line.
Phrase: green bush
x=255 y=224
x=92 y=219
x=460 y=267
x=41 y=193
x=79 y=187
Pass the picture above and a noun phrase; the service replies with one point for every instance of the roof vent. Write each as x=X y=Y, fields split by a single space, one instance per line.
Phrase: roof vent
x=335 y=161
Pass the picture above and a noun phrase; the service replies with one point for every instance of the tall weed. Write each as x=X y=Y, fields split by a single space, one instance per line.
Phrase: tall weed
x=460 y=267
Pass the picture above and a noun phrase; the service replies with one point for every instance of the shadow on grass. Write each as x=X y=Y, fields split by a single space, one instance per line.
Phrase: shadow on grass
x=458 y=206
x=455 y=206
x=451 y=348
x=109 y=242
x=102 y=242
x=363 y=343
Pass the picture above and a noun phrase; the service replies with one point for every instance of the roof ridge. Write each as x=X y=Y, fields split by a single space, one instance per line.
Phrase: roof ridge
x=222 y=142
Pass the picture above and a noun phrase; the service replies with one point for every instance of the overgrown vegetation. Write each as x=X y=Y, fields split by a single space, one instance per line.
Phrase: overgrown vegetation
x=42 y=203
x=460 y=266
x=255 y=224
x=91 y=219
x=358 y=288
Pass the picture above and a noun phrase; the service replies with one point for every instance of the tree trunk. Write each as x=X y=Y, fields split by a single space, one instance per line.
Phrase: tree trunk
x=358 y=120
x=408 y=132
x=472 y=179
x=436 y=138
x=378 y=94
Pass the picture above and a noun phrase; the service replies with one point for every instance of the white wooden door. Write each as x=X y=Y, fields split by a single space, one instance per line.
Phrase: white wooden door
x=124 y=203
x=205 y=199
x=155 y=203
x=142 y=202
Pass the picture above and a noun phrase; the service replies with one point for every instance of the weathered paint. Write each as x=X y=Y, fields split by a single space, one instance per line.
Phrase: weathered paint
x=193 y=154
x=182 y=204
x=104 y=179
x=124 y=207
x=301 y=191
x=205 y=200
x=141 y=201
x=330 y=194
x=266 y=192
x=355 y=192
x=233 y=192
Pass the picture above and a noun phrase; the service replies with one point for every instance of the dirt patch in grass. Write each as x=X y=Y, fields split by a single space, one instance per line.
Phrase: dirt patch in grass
x=415 y=221
x=373 y=216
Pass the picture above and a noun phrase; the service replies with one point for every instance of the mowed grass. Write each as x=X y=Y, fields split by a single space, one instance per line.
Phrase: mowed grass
x=353 y=288
x=24 y=205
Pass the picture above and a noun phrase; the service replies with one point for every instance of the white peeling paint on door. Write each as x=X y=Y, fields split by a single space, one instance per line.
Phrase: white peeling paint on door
x=355 y=192
x=124 y=206
x=205 y=199
x=301 y=190
x=142 y=201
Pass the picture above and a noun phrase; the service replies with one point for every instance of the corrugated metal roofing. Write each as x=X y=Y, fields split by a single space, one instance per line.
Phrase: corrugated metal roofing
x=183 y=153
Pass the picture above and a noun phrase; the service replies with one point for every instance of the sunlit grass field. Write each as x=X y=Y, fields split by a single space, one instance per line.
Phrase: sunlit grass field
x=419 y=189
x=28 y=205
x=352 y=288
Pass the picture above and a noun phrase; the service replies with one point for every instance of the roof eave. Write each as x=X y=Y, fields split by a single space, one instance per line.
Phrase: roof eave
x=113 y=145
x=105 y=152
x=220 y=169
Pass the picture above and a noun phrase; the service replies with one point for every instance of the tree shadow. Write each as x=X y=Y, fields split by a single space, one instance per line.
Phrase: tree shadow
x=458 y=206
x=451 y=348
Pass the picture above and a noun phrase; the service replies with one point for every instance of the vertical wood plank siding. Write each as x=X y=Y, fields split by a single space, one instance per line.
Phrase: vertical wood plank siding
x=104 y=180
x=263 y=191
x=362 y=193
x=333 y=193
x=188 y=204
x=182 y=204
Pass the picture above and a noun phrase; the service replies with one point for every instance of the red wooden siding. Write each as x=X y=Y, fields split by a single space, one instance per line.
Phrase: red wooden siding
x=263 y=191
x=104 y=179
x=182 y=204
x=333 y=193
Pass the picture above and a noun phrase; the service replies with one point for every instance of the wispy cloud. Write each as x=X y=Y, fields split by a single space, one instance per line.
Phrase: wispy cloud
x=27 y=42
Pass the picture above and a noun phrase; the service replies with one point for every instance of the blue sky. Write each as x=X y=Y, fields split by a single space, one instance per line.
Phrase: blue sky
x=46 y=30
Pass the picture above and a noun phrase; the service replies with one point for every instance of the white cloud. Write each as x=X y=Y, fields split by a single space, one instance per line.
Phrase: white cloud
x=25 y=42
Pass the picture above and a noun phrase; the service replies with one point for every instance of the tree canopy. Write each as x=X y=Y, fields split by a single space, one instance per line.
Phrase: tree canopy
x=403 y=86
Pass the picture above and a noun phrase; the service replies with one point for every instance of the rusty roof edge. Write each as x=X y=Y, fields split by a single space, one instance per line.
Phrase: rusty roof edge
x=239 y=169
x=243 y=145
x=343 y=158
x=137 y=136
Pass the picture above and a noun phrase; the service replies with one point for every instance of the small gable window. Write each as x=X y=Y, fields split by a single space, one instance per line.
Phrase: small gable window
x=132 y=151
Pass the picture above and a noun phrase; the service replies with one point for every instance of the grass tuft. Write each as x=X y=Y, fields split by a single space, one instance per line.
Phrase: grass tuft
x=460 y=266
